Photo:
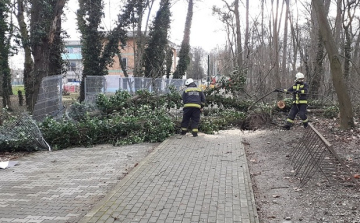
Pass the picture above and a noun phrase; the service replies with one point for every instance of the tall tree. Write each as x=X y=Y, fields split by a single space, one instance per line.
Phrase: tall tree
x=276 y=21
x=155 y=53
x=227 y=17
x=239 y=49
x=89 y=18
x=350 y=9
x=196 y=70
x=25 y=42
x=345 y=106
x=4 y=52
x=141 y=34
x=184 y=58
x=39 y=41
x=169 y=61
x=318 y=72
x=98 y=48
x=285 y=42
x=231 y=17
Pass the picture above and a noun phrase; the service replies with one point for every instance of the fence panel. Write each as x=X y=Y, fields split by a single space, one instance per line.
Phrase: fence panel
x=49 y=101
x=94 y=85
x=315 y=156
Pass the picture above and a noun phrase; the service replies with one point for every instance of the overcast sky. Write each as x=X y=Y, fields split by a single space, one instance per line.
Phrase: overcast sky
x=206 y=30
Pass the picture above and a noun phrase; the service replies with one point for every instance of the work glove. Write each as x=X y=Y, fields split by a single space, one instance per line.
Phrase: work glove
x=278 y=90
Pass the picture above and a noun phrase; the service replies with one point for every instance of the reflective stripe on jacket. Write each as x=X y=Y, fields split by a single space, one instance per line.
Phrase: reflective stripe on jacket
x=301 y=96
x=193 y=97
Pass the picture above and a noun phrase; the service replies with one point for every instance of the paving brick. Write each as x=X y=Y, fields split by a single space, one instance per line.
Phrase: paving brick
x=184 y=179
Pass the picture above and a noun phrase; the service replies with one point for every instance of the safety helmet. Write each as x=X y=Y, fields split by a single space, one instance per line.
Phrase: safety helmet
x=299 y=76
x=189 y=81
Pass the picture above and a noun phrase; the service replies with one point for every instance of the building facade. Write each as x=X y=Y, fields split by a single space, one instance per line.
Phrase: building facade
x=73 y=59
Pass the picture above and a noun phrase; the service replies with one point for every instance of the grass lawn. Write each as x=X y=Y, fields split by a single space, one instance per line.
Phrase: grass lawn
x=15 y=89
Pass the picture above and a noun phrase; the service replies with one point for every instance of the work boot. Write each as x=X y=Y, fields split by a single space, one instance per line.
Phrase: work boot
x=183 y=132
x=305 y=124
x=286 y=127
x=195 y=134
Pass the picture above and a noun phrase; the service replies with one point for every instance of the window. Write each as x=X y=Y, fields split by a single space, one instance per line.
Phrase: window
x=73 y=50
x=76 y=50
x=71 y=66
x=124 y=62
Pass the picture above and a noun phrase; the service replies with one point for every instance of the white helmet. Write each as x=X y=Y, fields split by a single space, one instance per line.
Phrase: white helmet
x=189 y=81
x=299 y=76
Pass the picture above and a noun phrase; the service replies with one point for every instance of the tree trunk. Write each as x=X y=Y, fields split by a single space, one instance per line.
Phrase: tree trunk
x=275 y=49
x=239 y=54
x=284 y=59
x=345 y=106
x=56 y=61
x=141 y=39
x=184 y=58
x=356 y=56
x=247 y=33
x=139 y=43
x=25 y=40
x=4 y=54
x=348 y=39
x=41 y=50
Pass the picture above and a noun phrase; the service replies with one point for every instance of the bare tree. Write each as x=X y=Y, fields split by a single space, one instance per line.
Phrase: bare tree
x=25 y=42
x=276 y=21
x=345 y=106
x=234 y=8
x=284 y=56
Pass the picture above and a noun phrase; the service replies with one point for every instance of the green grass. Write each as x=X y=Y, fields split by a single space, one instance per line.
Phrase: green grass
x=18 y=87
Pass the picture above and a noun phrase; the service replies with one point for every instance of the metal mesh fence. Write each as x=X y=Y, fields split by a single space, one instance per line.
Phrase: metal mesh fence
x=314 y=157
x=49 y=100
x=95 y=85
x=23 y=133
x=158 y=85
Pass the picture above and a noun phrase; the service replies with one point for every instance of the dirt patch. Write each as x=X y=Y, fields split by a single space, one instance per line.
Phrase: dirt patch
x=7 y=156
x=278 y=195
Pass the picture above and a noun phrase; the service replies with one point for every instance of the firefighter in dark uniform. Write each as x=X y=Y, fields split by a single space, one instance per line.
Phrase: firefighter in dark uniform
x=194 y=100
x=300 y=92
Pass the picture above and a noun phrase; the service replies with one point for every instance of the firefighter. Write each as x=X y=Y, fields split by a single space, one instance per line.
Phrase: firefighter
x=300 y=92
x=194 y=101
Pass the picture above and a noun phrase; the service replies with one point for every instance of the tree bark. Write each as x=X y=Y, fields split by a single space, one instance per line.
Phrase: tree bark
x=25 y=40
x=284 y=58
x=345 y=106
x=318 y=74
x=41 y=50
x=184 y=58
x=4 y=54
x=276 y=49
x=139 y=42
x=239 y=54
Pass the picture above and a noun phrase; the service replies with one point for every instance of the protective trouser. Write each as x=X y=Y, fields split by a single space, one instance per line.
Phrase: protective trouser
x=297 y=109
x=192 y=114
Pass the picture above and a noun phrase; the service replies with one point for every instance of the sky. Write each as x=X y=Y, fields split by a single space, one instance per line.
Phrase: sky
x=206 y=31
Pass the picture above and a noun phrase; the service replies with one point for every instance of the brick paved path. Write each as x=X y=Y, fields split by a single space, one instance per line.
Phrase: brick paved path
x=203 y=179
x=62 y=186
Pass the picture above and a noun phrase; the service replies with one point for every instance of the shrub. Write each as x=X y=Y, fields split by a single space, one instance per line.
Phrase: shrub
x=134 y=125
x=331 y=112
